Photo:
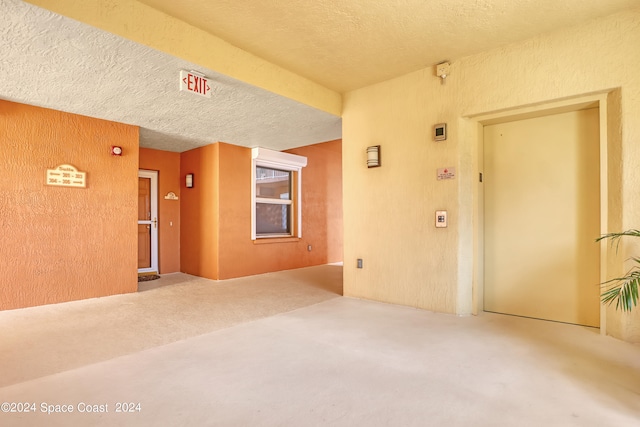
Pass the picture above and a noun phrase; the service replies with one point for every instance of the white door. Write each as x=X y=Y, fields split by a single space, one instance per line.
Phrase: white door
x=147 y=221
x=542 y=216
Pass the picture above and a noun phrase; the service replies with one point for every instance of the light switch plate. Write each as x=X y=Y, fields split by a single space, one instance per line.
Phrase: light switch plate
x=441 y=219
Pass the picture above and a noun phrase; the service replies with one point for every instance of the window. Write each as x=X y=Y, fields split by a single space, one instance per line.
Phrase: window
x=273 y=202
x=275 y=193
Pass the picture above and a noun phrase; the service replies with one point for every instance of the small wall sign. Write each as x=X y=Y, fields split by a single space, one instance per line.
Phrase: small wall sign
x=66 y=176
x=171 y=196
x=446 y=173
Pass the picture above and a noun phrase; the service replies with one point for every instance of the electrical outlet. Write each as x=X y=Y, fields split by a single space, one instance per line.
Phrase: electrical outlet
x=309 y=248
x=359 y=262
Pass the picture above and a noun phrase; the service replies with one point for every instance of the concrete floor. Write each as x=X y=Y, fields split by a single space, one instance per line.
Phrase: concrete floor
x=298 y=354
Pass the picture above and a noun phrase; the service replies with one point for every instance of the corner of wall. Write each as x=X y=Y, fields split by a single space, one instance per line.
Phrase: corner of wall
x=199 y=212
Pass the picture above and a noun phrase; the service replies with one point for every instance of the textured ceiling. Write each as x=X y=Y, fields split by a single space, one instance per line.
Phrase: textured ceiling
x=51 y=61
x=348 y=44
x=55 y=62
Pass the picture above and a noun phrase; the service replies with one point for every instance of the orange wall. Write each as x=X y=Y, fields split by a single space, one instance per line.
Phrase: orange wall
x=215 y=215
x=167 y=164
x=321 y=214
x=322 y=197
x=56 y=243
x=199 y=212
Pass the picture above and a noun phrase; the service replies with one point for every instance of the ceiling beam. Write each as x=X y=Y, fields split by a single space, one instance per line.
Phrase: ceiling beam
x=140 y=23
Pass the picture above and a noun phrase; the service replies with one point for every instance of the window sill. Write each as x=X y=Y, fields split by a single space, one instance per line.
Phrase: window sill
x=265 y=240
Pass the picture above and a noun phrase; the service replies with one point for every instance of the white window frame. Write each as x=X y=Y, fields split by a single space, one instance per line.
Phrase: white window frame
x=263 y=157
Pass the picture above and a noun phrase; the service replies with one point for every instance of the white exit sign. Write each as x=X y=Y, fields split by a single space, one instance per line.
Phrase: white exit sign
x=195 y=83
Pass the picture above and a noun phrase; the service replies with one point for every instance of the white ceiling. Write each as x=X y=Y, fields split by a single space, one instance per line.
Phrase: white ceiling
x=51 y=61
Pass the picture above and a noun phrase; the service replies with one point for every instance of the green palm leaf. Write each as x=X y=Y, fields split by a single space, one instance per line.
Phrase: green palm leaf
x=622 y=290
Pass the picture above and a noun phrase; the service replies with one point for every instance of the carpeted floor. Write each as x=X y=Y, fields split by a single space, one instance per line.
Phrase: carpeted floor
x=307 y=359
x=48 y=339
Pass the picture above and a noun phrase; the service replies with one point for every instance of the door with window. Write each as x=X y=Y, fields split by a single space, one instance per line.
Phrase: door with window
x=147 y=221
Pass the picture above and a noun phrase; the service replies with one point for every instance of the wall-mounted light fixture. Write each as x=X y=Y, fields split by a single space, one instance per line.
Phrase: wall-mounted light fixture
x=189 y=180
x=373 y=156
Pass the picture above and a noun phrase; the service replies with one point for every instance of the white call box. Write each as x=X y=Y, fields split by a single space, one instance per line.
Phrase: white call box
x=440 y=132
x=441 y=219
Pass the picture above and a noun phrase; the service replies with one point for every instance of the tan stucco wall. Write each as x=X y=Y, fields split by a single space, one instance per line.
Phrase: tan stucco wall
x=389 y=211
x=60 y=243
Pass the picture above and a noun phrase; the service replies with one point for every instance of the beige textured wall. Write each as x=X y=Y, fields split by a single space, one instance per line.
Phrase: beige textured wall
x=58 y=243
x=389 y=210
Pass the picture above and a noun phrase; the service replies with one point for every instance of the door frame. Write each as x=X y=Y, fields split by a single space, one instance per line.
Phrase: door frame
x=153 y=175
x=473 y=128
